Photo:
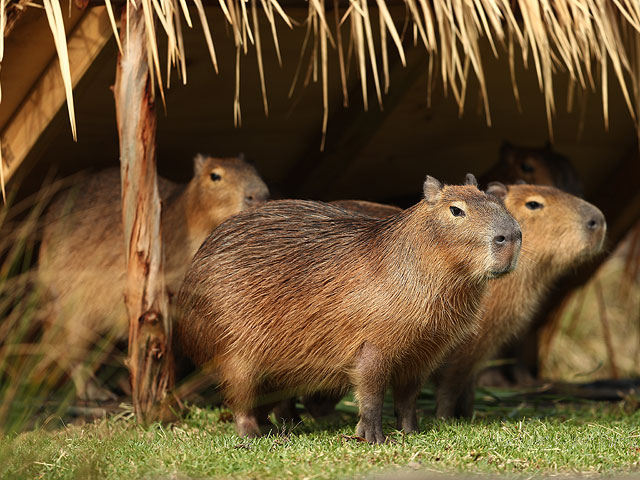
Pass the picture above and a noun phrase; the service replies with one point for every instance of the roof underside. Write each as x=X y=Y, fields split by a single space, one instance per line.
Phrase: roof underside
x=379 y=154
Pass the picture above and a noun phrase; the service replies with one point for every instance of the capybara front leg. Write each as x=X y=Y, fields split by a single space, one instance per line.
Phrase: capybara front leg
x=405 y=394
x=370 y=382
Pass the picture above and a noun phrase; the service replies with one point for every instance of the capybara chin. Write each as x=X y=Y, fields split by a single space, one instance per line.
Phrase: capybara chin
x=82 y=257
x=560 y=232
x=301 y=296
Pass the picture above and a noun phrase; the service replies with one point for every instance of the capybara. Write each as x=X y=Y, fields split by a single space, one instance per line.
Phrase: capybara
x=82 y=258
x=300 y=296
x=534 y=165
x=559 y=232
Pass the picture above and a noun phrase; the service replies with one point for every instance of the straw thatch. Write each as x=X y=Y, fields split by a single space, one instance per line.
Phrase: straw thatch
x=586 y=38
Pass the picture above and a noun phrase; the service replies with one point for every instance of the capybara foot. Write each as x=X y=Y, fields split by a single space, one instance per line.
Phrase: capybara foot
x=247 y=426
x=95 y=393
x=408 y=423
x=371 y=433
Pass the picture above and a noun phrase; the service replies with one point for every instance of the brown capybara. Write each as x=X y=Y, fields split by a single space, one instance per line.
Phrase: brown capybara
x=559 y=232
x=536 y=166
x=82 y=258
x=301 y=296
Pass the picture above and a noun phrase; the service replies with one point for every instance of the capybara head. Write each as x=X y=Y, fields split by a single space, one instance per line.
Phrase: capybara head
x=225 y=186
x=536 y=166
x=479 y=221
x=559 y=229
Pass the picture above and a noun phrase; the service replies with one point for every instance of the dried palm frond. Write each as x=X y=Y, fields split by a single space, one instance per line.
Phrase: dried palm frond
x=575 y=36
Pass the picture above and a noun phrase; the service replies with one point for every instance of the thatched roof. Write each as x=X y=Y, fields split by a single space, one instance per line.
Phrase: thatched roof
x=588 y=39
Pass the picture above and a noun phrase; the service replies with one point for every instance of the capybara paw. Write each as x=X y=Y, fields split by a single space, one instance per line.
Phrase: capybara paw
x=407 y=427
x=372 y=434
x=247 y=426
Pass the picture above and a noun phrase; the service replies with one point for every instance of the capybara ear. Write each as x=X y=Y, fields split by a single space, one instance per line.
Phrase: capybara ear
x=198 y=163
x=470 y=179
x=432 y=188
x=497 y=189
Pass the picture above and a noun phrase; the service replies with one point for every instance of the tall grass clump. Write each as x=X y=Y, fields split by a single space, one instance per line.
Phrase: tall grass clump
x=34 y=377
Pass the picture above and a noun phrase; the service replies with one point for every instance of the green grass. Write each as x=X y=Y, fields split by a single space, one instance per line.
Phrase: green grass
x=521 y=439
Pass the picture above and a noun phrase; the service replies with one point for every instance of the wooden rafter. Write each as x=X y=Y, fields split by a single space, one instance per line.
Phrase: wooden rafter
x=48 y=96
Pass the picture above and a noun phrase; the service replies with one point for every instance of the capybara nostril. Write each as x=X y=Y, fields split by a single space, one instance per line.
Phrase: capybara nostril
x=499 y=240
x=596 y=221
x=249 y=198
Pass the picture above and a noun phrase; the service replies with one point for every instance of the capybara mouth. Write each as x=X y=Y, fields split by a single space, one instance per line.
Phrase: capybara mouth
x=499 y=273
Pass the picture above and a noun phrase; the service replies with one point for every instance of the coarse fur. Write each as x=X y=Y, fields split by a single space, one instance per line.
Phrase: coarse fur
x=561 y=234
x=82 y=258
x=301 y=296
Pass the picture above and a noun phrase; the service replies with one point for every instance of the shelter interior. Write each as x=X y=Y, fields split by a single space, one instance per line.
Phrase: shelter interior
x=381 y=154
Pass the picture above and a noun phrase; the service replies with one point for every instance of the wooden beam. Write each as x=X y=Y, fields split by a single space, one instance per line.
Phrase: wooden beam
x=150 y=360
x=47 y=97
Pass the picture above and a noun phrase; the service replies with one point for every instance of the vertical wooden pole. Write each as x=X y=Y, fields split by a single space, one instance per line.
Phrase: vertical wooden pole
x=150 y=361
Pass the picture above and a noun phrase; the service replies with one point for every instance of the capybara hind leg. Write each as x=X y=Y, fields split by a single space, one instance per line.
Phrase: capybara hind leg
x=454 y=397
x=404 y=401
x=369 y=378
x=247 y=424
x=87 y=386
x=321 y=404
x=240 y=391
x=285 y=411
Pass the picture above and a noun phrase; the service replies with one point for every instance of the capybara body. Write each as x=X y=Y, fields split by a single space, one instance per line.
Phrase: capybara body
x=302 y=296
x=559 y=232
x=82 y=258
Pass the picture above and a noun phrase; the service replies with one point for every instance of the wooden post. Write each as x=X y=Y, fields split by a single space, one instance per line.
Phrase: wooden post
x=150 y=361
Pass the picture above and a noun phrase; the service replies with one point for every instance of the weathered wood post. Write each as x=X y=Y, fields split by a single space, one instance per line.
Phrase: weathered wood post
x=150 y=360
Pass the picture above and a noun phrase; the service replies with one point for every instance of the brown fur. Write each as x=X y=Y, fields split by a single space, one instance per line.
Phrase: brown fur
x=82 y=262
x=556 y=238
x=303 y=296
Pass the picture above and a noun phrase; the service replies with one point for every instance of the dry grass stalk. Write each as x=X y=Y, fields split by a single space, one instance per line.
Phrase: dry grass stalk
x=606 y=331
x=565 y=35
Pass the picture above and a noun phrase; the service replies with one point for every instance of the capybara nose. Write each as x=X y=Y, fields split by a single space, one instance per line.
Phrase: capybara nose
x=506 y=245
x=256 y=199
x=596 y=221
x=514 y=235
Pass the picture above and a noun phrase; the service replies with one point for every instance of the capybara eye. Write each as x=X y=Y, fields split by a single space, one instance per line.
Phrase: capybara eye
x=456 y=212
x=215 y=177
x=526 y=167
x=532 y=205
